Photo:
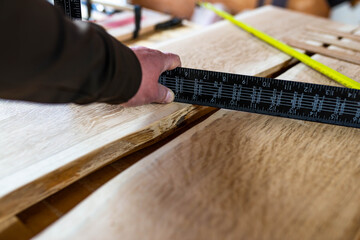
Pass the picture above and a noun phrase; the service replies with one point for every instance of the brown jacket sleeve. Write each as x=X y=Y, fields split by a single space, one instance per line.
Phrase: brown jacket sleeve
x=47 y=58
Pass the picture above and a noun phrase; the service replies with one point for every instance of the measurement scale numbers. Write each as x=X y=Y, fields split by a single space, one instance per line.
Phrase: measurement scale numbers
x=71 y=8
x=297 y=100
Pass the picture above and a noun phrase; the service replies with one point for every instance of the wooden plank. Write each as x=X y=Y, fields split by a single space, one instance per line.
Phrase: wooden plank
x=334 y=32
x=352 y=45
x=48 y=147
x=234 y=176
x=351 y=58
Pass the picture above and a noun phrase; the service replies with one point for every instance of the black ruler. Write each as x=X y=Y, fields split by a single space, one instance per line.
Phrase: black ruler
x=297 y=100
x=71 y=8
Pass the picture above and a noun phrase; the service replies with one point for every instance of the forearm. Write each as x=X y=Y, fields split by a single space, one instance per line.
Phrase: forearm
x=47 y=58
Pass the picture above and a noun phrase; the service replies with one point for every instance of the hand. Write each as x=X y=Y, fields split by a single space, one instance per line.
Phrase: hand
x=153 y=63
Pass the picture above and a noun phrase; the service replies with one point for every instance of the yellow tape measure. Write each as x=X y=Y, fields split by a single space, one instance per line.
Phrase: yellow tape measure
x=327 y=71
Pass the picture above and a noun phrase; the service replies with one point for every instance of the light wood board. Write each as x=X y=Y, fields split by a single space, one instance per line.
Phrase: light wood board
x=341 y=55
x=45 y=148
x=234 y=176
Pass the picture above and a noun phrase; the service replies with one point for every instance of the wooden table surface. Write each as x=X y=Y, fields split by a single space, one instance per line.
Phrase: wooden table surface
x=234 y=175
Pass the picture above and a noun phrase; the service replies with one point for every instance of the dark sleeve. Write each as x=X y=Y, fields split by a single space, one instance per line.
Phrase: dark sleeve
x=47 y=58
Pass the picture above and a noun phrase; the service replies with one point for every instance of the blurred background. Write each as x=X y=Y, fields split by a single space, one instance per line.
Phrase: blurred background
x=337 y=10
x=341 y=11
x=345 y=13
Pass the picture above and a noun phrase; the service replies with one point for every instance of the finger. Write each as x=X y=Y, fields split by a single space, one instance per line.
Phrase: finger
x=171 y=61
x=165 y=95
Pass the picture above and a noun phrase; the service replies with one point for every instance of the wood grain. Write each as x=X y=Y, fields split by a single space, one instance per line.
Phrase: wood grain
x=234 y=176
x=46 y=148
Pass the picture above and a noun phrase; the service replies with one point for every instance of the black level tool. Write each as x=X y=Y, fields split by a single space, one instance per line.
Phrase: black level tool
x=71 y=8
x=297 y=100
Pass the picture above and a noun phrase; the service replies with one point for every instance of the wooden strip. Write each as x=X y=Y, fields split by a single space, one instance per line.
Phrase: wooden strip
x=352 y=58
x=46 y=148
x=333 y=32
x=235 y=176
x=347 y=45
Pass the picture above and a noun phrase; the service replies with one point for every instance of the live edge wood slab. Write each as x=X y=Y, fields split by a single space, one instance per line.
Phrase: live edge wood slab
x=235 y=175
x=45 y=148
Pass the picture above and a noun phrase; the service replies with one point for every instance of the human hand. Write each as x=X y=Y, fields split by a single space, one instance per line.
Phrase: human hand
x=153 y=63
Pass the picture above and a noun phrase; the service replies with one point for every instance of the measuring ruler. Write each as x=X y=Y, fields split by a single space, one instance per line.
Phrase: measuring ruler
x=297 y=100
x=71 y=8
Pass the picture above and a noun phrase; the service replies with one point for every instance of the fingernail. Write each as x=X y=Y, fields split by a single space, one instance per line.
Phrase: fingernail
x=169 y=96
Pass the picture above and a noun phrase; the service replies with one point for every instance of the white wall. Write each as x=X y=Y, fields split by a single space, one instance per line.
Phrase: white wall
x=346 y=14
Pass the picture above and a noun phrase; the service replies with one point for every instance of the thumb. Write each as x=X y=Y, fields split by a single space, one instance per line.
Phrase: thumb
x=165 y=95
x=171 y=61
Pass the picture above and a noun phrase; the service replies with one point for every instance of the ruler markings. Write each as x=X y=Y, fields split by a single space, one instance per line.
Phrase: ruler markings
x=296 y=100
x=71 y=8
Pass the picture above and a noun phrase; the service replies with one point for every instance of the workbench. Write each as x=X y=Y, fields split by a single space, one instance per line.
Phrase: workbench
x=179 y=171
